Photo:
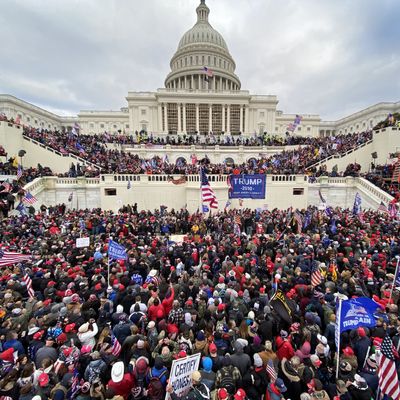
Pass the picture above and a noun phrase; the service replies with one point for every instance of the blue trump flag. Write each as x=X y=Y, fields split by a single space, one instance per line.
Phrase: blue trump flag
x=116 y=251
x=357 y=312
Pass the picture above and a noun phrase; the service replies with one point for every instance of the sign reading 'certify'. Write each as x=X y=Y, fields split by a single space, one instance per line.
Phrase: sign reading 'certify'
x=246 y=186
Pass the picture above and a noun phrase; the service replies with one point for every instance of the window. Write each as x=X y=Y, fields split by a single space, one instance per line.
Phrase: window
x=298 y=191
x=35 y=121
x=110 y=192
x=92 y=125
x=308 y=129
x=299 y=128
x=276 y=129
x=262 y=114
x=115 y=126
x=197 y=60
x=143 y=112
x=29 y=120
x=127 y=126
x=101 y=125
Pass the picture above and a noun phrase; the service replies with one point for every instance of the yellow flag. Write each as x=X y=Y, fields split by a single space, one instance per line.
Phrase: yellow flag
x=15 y=162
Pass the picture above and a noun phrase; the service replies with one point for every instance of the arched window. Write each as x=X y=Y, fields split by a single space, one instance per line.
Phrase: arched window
x=229 y=161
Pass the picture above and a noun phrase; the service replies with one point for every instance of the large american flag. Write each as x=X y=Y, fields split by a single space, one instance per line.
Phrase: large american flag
x=28 y=282
x=388 y=379
x=207 y=194
x=28 y=198
x=9 y=258
x=116 y=346
x=299 y=221
x=316 y=276
x=271 y=371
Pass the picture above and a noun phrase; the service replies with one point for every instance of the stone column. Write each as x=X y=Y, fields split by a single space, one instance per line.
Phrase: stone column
x=197 y=118
x=165 y=118
x=241 y=119
x=185 y=83
x=246 y=119
x=184 y=118
x=210 y=128
x=214 y=83
x=200 y=82
x=179 y=118
x=223 y=118
x=159 y=118
x=192 y=77
x=228 y=120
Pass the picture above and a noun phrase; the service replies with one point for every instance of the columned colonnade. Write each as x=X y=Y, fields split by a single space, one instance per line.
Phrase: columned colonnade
x=197 y=82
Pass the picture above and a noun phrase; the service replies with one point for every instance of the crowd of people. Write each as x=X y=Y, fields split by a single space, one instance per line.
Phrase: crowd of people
x=95 y=328
x=382 y=177
x=94 y=149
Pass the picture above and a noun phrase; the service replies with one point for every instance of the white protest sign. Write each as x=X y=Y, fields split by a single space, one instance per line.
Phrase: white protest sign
x=181 y=374
x=83 y=242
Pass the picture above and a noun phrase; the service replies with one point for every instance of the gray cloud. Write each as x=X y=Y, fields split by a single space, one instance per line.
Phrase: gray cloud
x=317 y=56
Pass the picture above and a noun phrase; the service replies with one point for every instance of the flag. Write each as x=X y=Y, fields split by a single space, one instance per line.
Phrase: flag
x=329 y=212
x=321 y=197
x=307 y=220
x=115 y=345
x=21 y=208
x=228 y=204
x=333 y=270
x=116 y=251
x=357 y=312
x=392 y=208
x=205 y=208
x=9 y=258
x=71 y=195
x=129 y=185
x=357 y=204
x=19 y=172
x=75 y=386
x=316 y=276
x=28 y=198
x=28 y=282
x=6 y=187
x=298 y=119
x=79 y=147
x=387 y=373
x=383 y=208
x=207 y=194
x=333 y=227
x=281 y=306
x=299 y=221
x=208 y=72
x=271 y=371
x=74 y=131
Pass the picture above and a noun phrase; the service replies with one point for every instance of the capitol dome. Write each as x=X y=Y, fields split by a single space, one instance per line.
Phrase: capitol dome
x=202 y=60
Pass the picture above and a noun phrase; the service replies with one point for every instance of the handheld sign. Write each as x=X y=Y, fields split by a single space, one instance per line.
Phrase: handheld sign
x=83 y=242
x=181 y=374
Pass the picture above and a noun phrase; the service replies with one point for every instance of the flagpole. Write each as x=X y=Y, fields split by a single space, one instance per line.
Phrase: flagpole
x=395 y=277
x=338 y=321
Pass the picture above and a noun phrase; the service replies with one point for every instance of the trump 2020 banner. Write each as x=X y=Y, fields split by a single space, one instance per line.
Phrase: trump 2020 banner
x=246 y=186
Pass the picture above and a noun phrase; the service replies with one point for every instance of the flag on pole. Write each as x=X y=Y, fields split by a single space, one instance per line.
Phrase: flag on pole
x=19 y=172
x=228 y=204
x=9 y=258
x=387 y=373
x=382 y=207
x=28 y=282
x=207 y=194
x=79 y=147
x=21 y=208
x=28 y=198
x=116 y=251
x=115 y=345
x=316 y=276
x=333 y=227
x=357 y=204
x=208 y=72
x=271 y=371
x=299 y=221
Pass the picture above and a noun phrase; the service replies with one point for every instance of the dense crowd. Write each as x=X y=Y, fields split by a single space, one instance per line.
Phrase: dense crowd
x=382 y=177
x=298 y=161
x=211 y=294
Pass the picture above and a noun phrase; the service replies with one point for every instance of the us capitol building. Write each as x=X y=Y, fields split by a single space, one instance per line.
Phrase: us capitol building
x=202 y=94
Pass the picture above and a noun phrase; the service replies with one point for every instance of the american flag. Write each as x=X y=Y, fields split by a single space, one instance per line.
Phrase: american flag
x=316 y=276
x=19 y=172
x=382 y=207
x=207 y=194
x=9 y=258
x=357 y=204
x=116 y=346
x=7 y=187
x=387 y=374
x=208 y=71
x=28 y=198
x=392 y=208
x=271 y=371
x=75 y=386
x=299 y=221
x=28 y=282
x=238 y=219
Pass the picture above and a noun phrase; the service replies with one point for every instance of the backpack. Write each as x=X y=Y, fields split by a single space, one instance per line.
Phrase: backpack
x=227 y=381
x=155 y=389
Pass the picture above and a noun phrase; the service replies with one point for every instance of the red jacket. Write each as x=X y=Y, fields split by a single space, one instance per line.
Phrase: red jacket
x=154 y=310
x=167 y=302
x=284 y=349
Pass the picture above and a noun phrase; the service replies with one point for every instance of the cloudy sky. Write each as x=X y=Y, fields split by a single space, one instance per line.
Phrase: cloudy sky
x=327 y=57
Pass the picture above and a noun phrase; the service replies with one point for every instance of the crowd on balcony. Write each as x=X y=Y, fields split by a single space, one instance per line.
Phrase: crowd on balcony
x=237 y=290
